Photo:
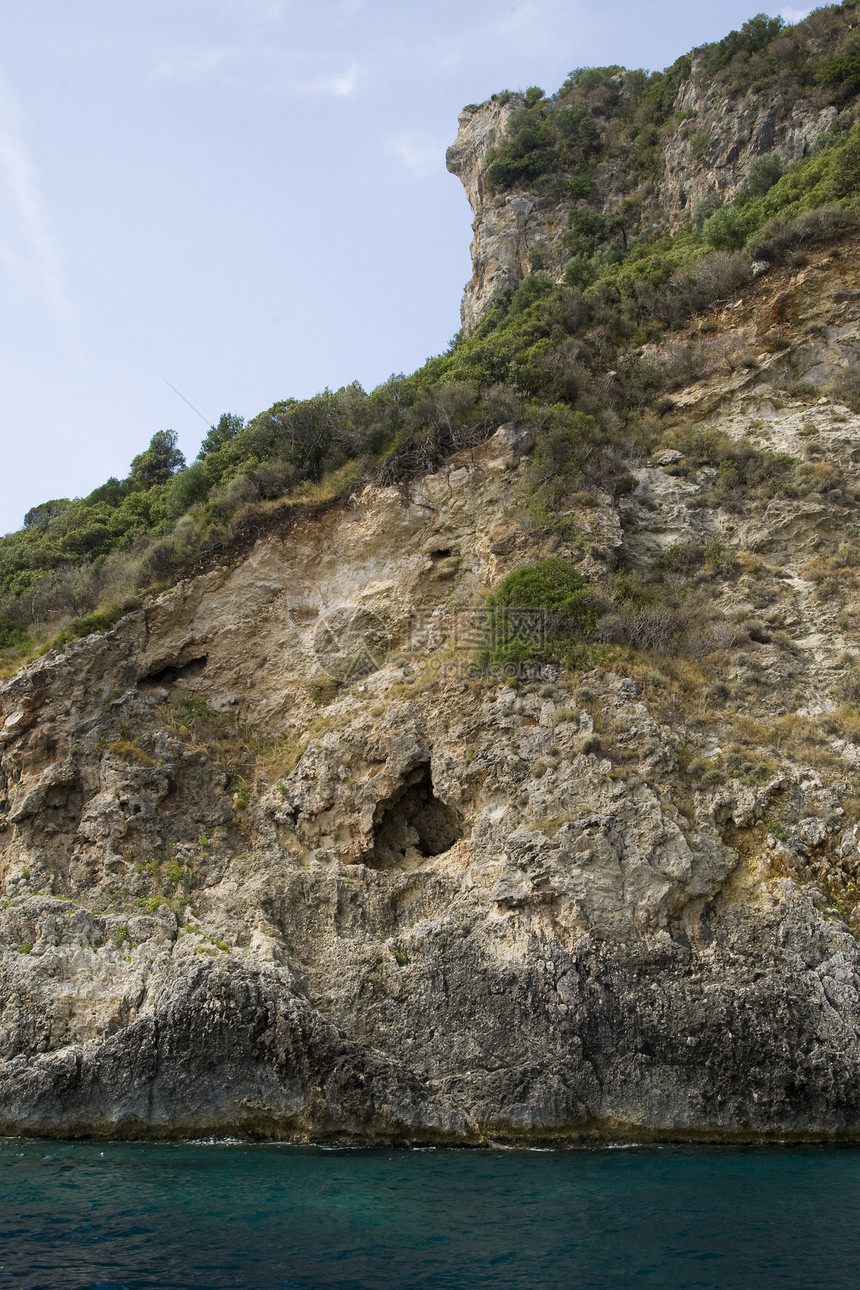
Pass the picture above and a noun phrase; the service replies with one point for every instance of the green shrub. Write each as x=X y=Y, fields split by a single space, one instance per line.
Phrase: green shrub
x=160 y=461
x=13 y=635
x=573 y=453
x=100 y=621
x=842 y=74
x=533 y=287
x=151 y=904
x=188 y=488
x=579 y=271
x=540 y=609
x=700 y=142
x=551 y=584
x=726 y=229
x=192 y=708
x=586 y=230
x=763 y=173
x=845 y=167
x=781 y=237
x=221 y=434
x=707 y=207
x=755 y=35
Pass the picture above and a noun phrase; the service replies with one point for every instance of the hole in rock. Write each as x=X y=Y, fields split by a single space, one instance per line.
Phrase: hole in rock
x=411 y=824
x=171 y=672
x=442 y=554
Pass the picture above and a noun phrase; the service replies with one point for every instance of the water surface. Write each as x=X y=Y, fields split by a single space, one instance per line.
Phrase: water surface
x=81 y=1216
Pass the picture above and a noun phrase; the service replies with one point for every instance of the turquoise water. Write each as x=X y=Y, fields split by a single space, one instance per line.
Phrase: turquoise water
x=85 y=1215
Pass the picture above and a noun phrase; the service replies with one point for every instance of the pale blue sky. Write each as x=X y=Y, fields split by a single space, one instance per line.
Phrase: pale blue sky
x=247 y=198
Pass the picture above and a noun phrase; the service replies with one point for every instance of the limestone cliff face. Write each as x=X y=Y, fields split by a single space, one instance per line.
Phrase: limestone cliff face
x=277 y=861
x=708 y=151
x=719 y=137
x=507 y=227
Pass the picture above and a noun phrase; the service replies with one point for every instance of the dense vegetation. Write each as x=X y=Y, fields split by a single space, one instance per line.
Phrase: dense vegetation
x=567 y=358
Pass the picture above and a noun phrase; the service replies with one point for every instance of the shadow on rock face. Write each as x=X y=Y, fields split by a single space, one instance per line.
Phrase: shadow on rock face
x=169 y=672
x=412 y=824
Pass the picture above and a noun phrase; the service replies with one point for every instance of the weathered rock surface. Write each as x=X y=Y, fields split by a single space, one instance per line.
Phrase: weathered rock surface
x=277 y=861
x=507 y=226
x=720 y=136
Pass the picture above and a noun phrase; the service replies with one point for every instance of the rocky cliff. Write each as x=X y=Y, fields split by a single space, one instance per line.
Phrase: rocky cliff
x=280 y=858
x=512 y=228
x=721 y=117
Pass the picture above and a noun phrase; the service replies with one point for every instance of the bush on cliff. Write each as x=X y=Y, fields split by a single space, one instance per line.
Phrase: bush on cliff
x=538 y=611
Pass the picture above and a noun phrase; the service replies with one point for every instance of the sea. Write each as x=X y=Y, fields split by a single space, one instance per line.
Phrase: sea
x=111 y=1215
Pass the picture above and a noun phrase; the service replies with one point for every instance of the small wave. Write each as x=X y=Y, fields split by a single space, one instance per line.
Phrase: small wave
x=214 y=1142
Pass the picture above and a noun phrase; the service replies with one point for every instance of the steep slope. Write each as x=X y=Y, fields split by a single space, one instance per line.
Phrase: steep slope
x=284 y=855
x=477 y=759
x=617 y=155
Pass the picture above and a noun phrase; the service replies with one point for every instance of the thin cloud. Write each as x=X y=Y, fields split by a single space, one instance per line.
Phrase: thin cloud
x=342 y=85
x=262 y=68
x=270 y=48
x=541 y=26
x=795 y=15
x=419 y=153
x=29 y=248
x=260 y=12
x=521 y=19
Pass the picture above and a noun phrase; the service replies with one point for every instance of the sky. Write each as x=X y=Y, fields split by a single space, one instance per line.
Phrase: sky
x=210 y=205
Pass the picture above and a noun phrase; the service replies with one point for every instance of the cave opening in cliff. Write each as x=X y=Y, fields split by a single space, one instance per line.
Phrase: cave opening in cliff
x=412 y=824
x=169 y=673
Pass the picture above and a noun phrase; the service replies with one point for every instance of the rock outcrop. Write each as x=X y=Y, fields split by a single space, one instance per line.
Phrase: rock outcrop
x=279 y=860
x=508 y=227
x=706 y=152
